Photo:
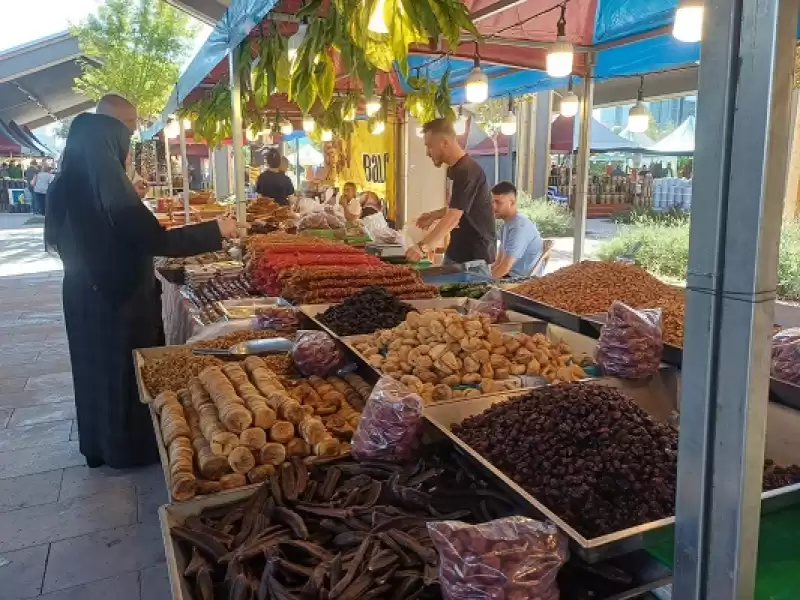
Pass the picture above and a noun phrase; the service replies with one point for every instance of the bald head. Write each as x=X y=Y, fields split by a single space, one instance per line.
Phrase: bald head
x=114 y=105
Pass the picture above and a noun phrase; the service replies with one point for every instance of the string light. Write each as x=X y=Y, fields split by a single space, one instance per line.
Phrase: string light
x=638 y=115
x=287 y=128
x=569 y=102
x=688 y=25
x=476 y=87
x=509 y=124
x=309 y=124
x=373 y=106
x=326 y=135
x=377 y=20
x=561 y=54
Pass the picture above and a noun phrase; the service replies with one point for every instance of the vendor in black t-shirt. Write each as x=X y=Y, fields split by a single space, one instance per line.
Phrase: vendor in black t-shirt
x=468 y=218
x=272 y=183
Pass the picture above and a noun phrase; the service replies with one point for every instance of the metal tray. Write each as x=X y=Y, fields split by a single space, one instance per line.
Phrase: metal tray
x=551 y=314
x=657 y=398
x=784 y=393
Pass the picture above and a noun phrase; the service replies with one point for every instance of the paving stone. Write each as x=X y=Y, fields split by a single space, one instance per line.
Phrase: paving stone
x=35 y=397
x=35 y=368
x=73 y=434
x=51 y=381
x=9 y=359
x=83 y=481
x=45 y=413
x=154 y=583
x=121 y=587
x=16 y=438
x=9 y=385
x=149 y=502
x=40 y=459
x=21 y=572
x=103 y=554
x=29 y=490
x=66 y=519
x=5 y=417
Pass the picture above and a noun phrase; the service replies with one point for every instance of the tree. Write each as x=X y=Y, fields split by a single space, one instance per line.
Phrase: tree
x=136 y=48
x=62 y=129
x=657 y=132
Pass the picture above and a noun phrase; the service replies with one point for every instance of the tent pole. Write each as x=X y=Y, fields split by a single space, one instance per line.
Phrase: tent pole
x=184 y=172
x=584 y=149
x=297 y=162
x=238 y=137
x=169 y=165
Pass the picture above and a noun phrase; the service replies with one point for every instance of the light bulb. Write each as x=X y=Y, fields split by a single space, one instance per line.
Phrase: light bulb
x=638 y=118
x=373 y=106
x=559 y=58
x=377 y=22
x=570 y=105
x=378 y=127
x=476 y=87
x=287 y=128
x=349 y=114
x=327 y=135
x=688 y=26
x=509 y=124
x=420 y=132
x=251 y=137
x=187 y=124
x=308 y=124
x=460 y=125
x=172 y=130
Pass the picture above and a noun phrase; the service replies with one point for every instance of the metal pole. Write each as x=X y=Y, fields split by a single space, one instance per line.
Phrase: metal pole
x=740 y=167
x=584 y=149
x=184 y=172
x=169 y=165
x=211 y=174
x=238 y=138
x=297 y=162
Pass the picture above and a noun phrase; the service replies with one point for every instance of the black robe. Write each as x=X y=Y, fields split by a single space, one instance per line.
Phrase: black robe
x=106 y=239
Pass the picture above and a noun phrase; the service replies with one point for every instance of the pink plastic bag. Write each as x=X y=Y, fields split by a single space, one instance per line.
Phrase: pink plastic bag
x=786 y=355
x=389 y=426
x=630 y=343
x=515 y=558
x=492 y=304
x=316 y=353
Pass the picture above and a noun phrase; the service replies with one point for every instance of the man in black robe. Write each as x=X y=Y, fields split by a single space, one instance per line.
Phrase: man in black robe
x=107 y=238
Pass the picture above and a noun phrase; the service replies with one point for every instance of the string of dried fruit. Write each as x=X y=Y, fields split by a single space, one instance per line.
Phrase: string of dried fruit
x=211 y=466
x=176 y=434
x=277 y=397
x=232 y=411
x=263 y=415
x=221 y=441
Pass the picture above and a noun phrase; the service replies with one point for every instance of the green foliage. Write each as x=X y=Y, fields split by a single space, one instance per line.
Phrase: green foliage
x=664 y=251
x=551 y=219
x=139 y=46
x=62 y=130
x=646 y=215
x=658 y=132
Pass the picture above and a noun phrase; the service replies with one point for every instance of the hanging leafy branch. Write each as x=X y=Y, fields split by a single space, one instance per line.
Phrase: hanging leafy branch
x=429 y=100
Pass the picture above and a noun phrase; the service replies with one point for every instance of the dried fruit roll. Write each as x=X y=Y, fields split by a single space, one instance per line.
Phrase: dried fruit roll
x=331 y=397
x=211 y=466
x=298 y=447
x=182 y=482
x=327 y=448
x=273 y=454
x=339 y=427
x=278 y=398
x=263 y=415
x=260 y=473
x=204 y=486
x=281 y=432
x=232 y=411
x=362 y=387
x=232 y=481
x=254 y=438
x=172 y=419
x=312 y=431
x=220 y=439
x=241 y=460
x=305 y=393
x=350 y=394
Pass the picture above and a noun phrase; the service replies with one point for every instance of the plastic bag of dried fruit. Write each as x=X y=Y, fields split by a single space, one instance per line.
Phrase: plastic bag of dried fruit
x=316 y=353
x=390 y=423
x=492 y=304
x=515 y=558
x=630 y=343
x=786 y=355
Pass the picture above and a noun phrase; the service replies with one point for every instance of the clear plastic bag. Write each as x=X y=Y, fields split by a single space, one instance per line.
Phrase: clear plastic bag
x=786 y=355
x=390 y=423
x=515 y=558
x=316 y=353
x=630 y=343
x=492 y=304
x=281 y=318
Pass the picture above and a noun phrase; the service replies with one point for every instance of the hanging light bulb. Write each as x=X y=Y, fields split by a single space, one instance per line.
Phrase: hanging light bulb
x=378 y=127
x=461 y=122
x=569 y=102
x=688 y=26
x=187 y=124
x=476 y=87
x=250 y=135
x=509 y=124
x=327 y=135
x=172 y=130
x=638 y=115
x=296 y=40
x=373 y=106
x=560 y=55
x=309 y=124
x=287 y=128
x=377 y=21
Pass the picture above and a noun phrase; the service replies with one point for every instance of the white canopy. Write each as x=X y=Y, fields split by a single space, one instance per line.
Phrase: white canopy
x=309 y=157
x=679 y=142
x=640 y=139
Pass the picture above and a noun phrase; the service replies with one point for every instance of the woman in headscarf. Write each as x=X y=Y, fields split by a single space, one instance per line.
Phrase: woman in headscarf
x=106 y=238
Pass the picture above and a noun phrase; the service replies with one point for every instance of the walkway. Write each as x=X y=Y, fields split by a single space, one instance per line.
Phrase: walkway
x=66 y=532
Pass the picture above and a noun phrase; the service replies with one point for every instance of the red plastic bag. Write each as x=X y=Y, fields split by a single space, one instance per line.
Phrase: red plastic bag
x=316 y=353
x=786 y=355
x=515 y=558
x=630 y=343
x=389 y=426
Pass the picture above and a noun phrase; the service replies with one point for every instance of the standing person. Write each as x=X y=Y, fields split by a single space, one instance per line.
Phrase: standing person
x=4 y=171
x=272 y=183
x=106 y=238
x=41 y=181
x=14 y=170
x=30 y=173
x=469 y=213
x=520 y=242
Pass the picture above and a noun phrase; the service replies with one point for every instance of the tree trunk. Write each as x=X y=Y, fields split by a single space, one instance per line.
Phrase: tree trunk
x=791 y=201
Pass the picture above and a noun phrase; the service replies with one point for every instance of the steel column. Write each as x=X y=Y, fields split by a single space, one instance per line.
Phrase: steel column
x=584 y=150
x=169 y=164
x=184 y=171
x=740 y=174
x=238 y=138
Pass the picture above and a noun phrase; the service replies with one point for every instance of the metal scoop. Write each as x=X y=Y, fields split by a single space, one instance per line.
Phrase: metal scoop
x=267 y=346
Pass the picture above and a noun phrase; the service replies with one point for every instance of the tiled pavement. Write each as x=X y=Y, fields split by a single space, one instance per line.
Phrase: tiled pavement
x=66 y=532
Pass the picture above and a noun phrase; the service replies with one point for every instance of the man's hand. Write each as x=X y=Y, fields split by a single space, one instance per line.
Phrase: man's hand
x=141 y=188
x=228 y=227
x=414 y=254
x=425 y=220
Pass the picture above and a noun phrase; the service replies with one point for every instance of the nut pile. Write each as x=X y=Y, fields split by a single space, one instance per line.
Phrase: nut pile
x=366 y=311
x=590 y=287
x=437 y=350
x=587 y=452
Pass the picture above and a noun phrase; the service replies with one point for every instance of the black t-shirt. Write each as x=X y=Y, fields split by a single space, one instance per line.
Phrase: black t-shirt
x=277 y=186
x=475 y=238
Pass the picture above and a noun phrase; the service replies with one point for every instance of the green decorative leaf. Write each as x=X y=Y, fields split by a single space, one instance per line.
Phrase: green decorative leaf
x=326 y=80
